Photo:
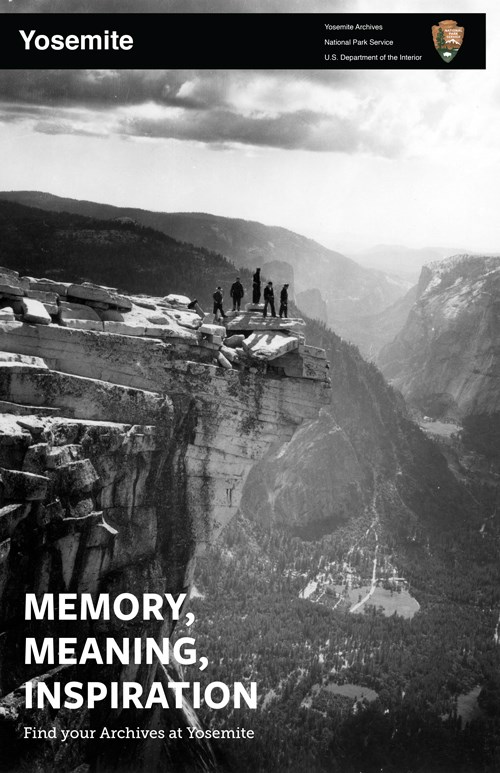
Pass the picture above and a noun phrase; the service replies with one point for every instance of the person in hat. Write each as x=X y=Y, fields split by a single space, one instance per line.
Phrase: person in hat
x=269 y=299
x=218 y=297
x=236 y=292
x=284 y=301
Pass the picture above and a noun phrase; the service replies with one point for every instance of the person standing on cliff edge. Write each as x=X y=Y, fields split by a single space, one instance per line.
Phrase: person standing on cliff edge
x=256 y=287
x=237 y=292
x=284 y=301
x=218 y=296
x=269 y=299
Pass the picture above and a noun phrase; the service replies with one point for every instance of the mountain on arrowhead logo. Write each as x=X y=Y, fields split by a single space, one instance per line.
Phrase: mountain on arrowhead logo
x=448 y=38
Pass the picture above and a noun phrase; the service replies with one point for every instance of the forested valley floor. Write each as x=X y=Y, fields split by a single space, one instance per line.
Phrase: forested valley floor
x=343 y=691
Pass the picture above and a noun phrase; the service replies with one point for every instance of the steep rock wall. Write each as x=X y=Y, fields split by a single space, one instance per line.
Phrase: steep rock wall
x=121 y=456
x=312 y=485
x=446 y=359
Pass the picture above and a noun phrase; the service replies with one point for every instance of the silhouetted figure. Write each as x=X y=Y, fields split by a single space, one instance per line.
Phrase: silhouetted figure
x=256 y=287
x=284 y=301
x=195 y=306
x=269 y=299
x=218 y=296
x=237 y=292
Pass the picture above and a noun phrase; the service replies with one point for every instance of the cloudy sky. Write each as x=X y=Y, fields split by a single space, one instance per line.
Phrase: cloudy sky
x=346 y=157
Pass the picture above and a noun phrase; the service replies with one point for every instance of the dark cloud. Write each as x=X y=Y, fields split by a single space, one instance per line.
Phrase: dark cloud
x=191 y=89
x=279 y=109
x=172 y=6
x=94 y=88
x=299 y=130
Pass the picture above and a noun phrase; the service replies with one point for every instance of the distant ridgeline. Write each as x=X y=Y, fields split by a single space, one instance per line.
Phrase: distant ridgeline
x=344 y=290
x=117 y=253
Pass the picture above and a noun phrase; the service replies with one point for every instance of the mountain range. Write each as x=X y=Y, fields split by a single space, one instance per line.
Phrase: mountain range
x=348 y=289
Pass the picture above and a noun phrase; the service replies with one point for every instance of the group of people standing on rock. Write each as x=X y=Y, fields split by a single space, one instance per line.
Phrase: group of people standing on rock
x=237 y=292
x=269 y=296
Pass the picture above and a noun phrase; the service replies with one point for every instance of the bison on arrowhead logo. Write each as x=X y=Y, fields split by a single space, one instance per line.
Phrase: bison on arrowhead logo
x=447 y=39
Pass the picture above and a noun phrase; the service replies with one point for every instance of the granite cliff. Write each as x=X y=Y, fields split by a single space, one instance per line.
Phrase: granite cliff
x=128 y=427
x=446 y=359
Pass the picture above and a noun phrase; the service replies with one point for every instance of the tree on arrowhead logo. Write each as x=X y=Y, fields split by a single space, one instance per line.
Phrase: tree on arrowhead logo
x=448 y=38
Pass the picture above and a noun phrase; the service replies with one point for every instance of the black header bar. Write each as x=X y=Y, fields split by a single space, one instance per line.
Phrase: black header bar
x=238 y=41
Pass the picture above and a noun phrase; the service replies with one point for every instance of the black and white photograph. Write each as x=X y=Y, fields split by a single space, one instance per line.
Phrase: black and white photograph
x=250 y=406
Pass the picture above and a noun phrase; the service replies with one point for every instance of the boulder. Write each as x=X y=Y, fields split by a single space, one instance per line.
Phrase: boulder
x=77 y=311
x=14 y=302
x=90 y=292
x=223 y=361
x=234 y=341
x=268 y=346
x=49 y=300
x=34 y=311
x=212 y=330
x=177 y=300
x=33 y=424
x=78 y=315
x=229 y=354
x=10 y=284
x=7 y=314
x=75 y=477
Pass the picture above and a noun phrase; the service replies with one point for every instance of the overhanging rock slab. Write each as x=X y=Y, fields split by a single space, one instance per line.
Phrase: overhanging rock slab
x=269 y=345
x=90 y=292
x=259 y=322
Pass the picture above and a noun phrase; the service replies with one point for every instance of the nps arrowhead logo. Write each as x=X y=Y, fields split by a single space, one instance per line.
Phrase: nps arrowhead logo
x=447 y=39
